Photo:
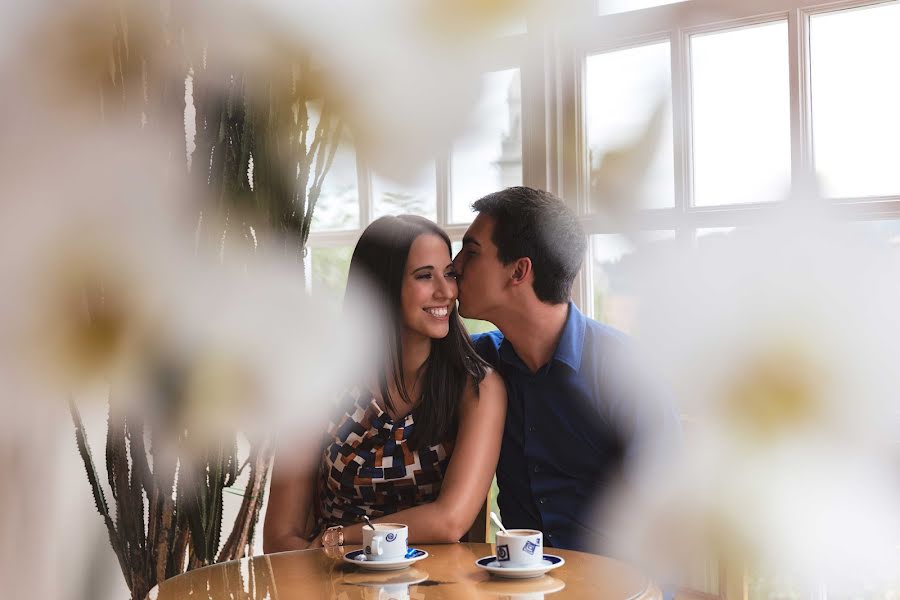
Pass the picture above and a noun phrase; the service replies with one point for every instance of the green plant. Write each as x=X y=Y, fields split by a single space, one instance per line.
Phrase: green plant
x=164 y=509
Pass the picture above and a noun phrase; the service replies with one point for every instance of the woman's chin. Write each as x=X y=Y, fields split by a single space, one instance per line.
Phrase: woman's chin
x=439 y=334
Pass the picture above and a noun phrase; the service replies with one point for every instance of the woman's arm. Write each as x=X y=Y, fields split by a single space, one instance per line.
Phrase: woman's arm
x=468 y=476
x=291 y=499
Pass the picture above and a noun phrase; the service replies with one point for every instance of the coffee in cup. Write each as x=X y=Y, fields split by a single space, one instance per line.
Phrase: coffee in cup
x=520 y=548
x=386 y=542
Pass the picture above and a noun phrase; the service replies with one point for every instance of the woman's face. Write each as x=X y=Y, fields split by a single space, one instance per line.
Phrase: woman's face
x=429 y=287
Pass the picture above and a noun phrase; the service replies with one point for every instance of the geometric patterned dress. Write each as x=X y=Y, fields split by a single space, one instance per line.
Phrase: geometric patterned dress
x=367 y=468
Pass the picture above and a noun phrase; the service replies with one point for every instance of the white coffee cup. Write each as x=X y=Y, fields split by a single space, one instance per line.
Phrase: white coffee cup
x=386 y=542
x=520 y=548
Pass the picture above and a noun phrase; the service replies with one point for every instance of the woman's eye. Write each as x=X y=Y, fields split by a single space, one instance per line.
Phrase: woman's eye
x=423 y=276
x=451 y=275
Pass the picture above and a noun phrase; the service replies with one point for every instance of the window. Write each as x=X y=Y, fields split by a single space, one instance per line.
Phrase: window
x=758 y=97
x=882 y=233
x=613 y=261
x=329 y=267
x=609 y=7
x=855 y=95
x=489 y=158
x=734 y=102
x=337 y=207
x=629 y=103
x=741 y=115
x=417 y=196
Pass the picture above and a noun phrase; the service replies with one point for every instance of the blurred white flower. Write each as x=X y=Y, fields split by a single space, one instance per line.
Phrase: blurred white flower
x=779 y=342
x=403 y=75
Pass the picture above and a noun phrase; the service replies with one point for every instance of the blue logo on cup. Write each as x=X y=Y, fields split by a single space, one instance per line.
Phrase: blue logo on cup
x=530 y=547
x=368 y=550
x=390 y=537
x=502 y=553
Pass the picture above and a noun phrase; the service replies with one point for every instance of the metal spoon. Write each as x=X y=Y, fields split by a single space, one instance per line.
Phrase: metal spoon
x=369 y=523
x=496 y=520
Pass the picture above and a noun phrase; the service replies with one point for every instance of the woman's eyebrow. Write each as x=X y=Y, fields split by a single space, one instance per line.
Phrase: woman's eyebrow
x=426 y=267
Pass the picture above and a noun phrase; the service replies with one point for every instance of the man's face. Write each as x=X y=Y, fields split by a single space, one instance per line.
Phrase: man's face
x=481 y=275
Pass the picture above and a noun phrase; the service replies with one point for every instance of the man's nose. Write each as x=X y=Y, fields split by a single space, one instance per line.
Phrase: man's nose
x=458 y=263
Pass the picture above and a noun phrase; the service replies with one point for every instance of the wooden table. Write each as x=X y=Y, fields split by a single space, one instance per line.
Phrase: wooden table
x=448 y=573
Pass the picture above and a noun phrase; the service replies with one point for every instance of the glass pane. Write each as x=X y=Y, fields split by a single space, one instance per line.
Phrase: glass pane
x=855 y=58
x=416 y=196
x=609 y=7
x=490 y=157
x=614 y=259
x=338 y=204
x=329 y=269
x=709 y=236
x=629 y=127
x=741 y=115
x=882 y=233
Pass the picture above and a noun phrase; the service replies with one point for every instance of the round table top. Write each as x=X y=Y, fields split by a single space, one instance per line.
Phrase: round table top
x=449 y=572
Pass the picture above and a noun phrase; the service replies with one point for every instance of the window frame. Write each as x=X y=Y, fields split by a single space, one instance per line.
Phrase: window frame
x=507 y=52
x=677 y=23
x=551 y=59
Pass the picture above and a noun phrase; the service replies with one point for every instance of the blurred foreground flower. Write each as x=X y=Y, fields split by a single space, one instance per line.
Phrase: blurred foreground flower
x=780 y=343
x=108 y=291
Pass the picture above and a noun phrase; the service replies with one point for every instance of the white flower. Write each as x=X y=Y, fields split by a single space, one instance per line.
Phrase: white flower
x=780 y=343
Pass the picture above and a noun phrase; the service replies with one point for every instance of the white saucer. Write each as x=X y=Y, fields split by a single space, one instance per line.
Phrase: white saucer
x=490 y=564
x=357 y=557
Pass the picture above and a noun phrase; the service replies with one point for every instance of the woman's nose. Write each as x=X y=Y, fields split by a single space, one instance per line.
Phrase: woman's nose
x=444 y=288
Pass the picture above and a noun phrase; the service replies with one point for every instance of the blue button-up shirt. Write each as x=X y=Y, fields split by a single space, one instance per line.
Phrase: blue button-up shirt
x=570 y=430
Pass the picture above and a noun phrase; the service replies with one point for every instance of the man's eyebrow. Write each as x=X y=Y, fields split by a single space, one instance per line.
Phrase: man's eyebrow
x=470 y=240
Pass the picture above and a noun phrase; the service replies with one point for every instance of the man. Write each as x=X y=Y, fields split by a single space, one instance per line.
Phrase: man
x=577 y=413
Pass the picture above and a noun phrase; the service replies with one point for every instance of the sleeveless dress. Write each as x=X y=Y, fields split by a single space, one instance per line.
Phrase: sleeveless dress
x=367 y=468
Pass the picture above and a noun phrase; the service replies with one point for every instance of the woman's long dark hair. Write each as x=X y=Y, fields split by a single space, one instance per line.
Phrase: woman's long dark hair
x=378 y=266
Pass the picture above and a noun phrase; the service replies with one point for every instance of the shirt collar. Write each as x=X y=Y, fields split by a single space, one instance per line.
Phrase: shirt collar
x=568 y=350
x=571 y=342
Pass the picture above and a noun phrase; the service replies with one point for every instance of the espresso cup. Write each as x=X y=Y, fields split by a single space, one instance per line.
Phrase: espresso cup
x=520 y=548
x=386 y=542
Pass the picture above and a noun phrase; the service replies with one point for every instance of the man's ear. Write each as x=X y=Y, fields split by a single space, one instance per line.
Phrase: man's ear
x=521 y=271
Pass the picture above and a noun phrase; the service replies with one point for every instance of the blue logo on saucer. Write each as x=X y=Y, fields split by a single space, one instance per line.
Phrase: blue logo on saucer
x=502 y=553
x=390 y=537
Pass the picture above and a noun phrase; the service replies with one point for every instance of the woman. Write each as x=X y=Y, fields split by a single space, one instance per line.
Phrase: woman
x=419 y=443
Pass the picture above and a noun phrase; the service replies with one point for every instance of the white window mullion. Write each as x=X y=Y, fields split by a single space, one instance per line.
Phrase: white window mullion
x=538 y=76
x=443 y=189
x=681 y=118
x=364 y=185
x=579 y=194
x=801 y=114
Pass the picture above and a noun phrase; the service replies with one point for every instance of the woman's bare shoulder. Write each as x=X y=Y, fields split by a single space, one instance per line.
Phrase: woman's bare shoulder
x=491 y=388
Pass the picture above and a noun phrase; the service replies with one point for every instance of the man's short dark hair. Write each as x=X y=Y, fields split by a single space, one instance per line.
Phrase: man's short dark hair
x=538 y=225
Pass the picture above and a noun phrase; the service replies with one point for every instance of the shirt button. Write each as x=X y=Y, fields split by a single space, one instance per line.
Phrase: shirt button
x=537 y=468
x=542 y=500
x=532 y=428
